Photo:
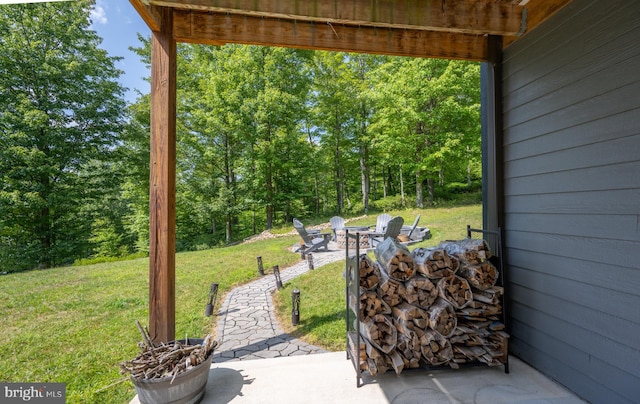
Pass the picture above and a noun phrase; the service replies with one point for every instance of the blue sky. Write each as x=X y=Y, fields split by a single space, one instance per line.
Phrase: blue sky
x=118 y=23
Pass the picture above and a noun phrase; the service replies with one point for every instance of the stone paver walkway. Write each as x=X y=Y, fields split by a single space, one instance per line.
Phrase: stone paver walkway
x=247 y=326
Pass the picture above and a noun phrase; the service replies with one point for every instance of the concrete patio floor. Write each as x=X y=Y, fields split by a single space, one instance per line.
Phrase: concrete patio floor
x=330 y=378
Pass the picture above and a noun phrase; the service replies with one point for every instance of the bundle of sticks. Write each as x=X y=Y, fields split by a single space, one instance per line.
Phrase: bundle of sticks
x=166 y=360
x=434 y=263
x=380 y=332
x=435 y=349
x=369 y=272
x=395 y=259
x=371 y=304
x=442 y=317
x=455 y=290
x=420 y=292
x=470 y=250
x=481 y=276
x=391 y=290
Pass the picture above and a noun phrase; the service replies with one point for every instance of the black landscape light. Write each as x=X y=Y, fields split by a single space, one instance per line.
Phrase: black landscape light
x=276 y=273
x=295 y=306
x=213 y=293
x=310 y=261
x=260 y=267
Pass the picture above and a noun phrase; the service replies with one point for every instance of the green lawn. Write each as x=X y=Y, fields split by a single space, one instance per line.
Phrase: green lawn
x=76 y=324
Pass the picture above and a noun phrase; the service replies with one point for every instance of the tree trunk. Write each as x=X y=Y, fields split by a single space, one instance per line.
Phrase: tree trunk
x=269 y=189
x=364 y=177
x=336 y=162
x=227 y=184
x=419 y=195
x=468 y=166
x=315 y=176
x=269 y=207
x=404 y=201
x=431 y=189
x=385 y=182
x=229 y=229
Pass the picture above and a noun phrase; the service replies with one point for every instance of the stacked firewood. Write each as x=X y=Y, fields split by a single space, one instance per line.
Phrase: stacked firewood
x=433 y=307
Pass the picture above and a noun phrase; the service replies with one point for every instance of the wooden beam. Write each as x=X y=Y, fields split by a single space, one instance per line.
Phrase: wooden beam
x=150 y=15
x=218 y=29
x=464 y=16
x=162 y=203
x=538 y=12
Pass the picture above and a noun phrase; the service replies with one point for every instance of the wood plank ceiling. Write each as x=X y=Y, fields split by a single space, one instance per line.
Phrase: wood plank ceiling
x=453 y=29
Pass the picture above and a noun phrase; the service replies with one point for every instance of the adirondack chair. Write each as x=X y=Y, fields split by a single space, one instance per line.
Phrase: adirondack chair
x=311 y=241
x=337 y=223
x=394 y=226
x=298 y=223
x=408 y=230
x=381 y=223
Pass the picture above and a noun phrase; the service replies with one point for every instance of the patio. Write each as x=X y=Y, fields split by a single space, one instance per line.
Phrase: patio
x=330 y=378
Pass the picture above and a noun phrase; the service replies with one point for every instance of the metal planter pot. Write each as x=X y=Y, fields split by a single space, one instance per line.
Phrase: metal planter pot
x=187 y=388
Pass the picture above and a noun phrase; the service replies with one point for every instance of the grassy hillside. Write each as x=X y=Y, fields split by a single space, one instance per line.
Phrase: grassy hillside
x=76 y=324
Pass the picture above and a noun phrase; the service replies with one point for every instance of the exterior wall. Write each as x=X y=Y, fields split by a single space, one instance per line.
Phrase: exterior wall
x=571 y=105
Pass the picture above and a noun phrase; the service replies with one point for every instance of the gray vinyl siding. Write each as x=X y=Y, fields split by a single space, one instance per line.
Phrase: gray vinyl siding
x=571 y=119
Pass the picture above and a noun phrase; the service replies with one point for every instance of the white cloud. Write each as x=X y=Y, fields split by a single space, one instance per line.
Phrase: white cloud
x=98 y=15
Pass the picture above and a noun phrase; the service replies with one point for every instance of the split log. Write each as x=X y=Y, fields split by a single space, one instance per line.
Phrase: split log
x=435 y=349
x=442 y=317
x=390 y=290
x=416 y=319
x=408 y=346
x=470 y=250
x=370 y=305
x=481 y=276
x=395 y=259
x=420 y=292
x=455 y=290
x=380 y=332
x=395 y=361
x=371 y=359
x=490 y=295
x=369 y=272
x=361 y=354
x=434 y=263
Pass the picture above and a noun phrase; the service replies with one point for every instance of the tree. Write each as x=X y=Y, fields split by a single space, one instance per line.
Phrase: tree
x=334 y=93
x=427 y=118
x=60 y=110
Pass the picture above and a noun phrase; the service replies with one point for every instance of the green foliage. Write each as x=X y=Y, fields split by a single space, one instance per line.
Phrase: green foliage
x=264 y=134
x=103 y=259
x=61 y=111
x=392 y=203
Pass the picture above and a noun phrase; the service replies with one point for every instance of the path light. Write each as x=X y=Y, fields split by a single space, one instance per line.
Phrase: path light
x=276 y=273
x=310 y=261
x=260 y=267
x=295 y=306
x=213 y=293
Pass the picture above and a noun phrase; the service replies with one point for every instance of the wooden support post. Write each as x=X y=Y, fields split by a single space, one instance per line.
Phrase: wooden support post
x=162 y=203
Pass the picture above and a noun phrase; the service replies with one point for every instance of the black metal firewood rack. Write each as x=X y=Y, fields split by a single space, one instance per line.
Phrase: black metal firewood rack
x=353 y=292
